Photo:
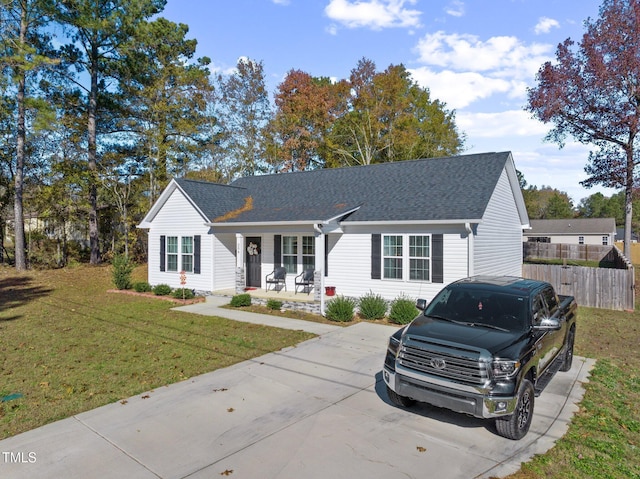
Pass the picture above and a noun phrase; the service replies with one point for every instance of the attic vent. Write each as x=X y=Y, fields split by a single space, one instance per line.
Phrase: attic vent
x=248 y=206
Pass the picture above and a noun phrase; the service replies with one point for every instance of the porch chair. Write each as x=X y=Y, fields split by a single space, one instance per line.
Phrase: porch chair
x=276 y=277
x=306 y=280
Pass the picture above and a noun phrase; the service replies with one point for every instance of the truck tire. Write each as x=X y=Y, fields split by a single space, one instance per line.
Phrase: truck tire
x=398 y=400
x=517 y=425
x=568 y=354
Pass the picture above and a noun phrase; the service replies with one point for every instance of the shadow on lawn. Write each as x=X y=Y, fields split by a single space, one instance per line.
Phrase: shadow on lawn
x=17 y=291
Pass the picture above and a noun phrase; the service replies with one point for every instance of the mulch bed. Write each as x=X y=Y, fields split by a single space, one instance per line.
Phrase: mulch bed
x=197 y=299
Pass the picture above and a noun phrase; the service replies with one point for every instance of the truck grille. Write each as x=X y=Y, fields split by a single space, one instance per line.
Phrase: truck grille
x=457 y=364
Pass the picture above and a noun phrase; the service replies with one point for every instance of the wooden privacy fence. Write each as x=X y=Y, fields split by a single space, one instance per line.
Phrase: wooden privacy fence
x=607 y=288
x=592 y=287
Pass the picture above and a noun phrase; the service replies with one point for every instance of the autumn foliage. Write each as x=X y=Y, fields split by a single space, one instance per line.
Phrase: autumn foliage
x=592 y=94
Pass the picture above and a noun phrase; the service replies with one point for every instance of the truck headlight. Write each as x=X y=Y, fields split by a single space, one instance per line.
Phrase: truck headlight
x=394 y=345
x=504 y=368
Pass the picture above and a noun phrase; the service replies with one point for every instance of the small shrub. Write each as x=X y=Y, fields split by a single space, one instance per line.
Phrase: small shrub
x=372 y=306
x=142 y=287
x=183 y=293
x=122 y=269
x=161 y=289
x=403 y=310
x=240 y=300
x=274 y=304
x=340 y=309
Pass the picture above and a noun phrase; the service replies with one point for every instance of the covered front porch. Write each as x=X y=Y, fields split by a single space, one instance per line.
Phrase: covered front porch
x=300 y=301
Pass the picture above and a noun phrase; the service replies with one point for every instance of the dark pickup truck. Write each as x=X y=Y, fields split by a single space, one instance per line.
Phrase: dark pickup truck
x=484 y=346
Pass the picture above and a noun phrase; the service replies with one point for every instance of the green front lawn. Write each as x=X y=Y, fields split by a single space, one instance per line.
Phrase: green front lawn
x=67 y=346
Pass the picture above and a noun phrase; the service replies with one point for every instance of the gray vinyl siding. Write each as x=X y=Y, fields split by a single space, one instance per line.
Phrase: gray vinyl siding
x=179 y=218
x=224 y=261
x=350 y=262
x=497 y=245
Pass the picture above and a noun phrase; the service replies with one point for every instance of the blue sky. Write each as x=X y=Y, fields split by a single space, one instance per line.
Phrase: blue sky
x=477 y=56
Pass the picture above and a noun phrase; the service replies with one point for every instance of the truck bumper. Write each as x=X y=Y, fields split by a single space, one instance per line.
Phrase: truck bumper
x=459 y=400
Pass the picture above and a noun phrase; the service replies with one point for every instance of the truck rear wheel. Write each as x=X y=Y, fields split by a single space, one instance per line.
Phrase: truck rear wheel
x=568 y=354
x=398 y=400
x=517 y=425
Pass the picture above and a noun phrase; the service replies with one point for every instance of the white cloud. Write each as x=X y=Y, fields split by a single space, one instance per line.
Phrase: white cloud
x=511 y=123
x=375 y=14
x=332 y=29
x=473 y=69
x=281 y=2
x=455 y=8
x=545 y=25
x=458 y=90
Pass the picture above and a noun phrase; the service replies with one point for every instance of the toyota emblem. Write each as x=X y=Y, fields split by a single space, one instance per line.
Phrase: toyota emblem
x=438 y=363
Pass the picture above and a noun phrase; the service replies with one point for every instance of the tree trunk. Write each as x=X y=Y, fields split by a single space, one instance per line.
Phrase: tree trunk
x=19 y=241
x=94 y=244
x=628 y=202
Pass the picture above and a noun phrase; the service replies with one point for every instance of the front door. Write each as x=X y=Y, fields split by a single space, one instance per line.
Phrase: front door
x=253 y=246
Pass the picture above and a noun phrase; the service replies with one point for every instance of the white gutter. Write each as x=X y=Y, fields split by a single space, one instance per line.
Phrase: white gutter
x=318 y=230
x=470 y=270
x=413 y=222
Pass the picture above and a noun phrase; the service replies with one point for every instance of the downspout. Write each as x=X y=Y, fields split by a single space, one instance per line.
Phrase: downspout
x=318 y=230
x=467 y=227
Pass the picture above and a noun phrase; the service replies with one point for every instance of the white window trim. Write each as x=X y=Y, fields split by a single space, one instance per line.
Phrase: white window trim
x=299 y=251
x=406 y=259
x=183 y=254
x=179 y=255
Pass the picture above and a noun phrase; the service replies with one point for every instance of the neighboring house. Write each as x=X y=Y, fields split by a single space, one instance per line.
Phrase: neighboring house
x=620 y=235
x=406 y=227
x=589 y=231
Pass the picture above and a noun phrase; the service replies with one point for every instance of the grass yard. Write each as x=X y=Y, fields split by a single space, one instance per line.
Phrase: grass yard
x=603 y=440
x=67 y=346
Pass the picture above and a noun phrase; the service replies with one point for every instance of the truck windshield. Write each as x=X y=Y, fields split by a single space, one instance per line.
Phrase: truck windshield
x=480 y=307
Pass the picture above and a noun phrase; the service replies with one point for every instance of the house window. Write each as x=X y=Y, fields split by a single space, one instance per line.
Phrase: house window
x=580 y=239
x=392 y=257
x=187 y=254
x=605 y=240
x=172 y=253
x=412 y=262
x=292 y=256
x=308 y=252
x=419 y=258
x=180 y=254
x=290 y=253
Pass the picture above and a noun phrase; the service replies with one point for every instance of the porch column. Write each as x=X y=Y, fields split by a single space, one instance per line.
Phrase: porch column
x=318 y=279
x=240 y=276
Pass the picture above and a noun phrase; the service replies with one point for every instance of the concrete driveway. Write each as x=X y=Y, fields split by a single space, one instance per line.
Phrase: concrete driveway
x=317 y=410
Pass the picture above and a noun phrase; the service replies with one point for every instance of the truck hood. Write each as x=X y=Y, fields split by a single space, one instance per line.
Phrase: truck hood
x=491 y=340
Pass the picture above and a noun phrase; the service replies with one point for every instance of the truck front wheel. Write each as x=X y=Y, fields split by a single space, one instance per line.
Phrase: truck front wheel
x=517 y=425
x=398 y=400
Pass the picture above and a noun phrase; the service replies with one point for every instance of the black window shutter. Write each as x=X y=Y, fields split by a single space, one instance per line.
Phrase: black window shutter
x=326 y=255
x=277 y=250
x=437 y=259
x=376 y=255
x=162 y=252
x=196 y=254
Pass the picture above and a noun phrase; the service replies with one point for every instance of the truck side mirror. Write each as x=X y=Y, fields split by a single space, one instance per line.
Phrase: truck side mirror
x=547 y=324
x=421 y=304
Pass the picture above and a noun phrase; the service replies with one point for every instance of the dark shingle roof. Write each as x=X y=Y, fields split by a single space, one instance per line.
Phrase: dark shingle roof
x=452 y=188
x=212 y=198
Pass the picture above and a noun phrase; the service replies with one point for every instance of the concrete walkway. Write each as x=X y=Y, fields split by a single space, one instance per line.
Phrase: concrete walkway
x=316 y=410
